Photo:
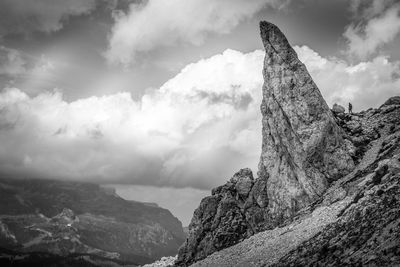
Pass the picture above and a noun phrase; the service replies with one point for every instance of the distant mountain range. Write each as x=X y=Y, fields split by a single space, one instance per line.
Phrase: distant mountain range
x=81 y=224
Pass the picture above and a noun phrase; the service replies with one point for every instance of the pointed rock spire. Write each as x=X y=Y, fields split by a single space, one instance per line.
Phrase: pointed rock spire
x=302 y=151
x=302 y=147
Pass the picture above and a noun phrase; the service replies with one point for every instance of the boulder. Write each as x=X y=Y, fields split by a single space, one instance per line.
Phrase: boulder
x=338 y=109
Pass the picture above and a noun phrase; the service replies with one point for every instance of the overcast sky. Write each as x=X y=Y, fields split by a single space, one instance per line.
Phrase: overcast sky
x=160 y=98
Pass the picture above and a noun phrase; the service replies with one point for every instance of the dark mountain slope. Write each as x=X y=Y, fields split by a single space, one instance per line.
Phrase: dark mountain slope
x=69 y=217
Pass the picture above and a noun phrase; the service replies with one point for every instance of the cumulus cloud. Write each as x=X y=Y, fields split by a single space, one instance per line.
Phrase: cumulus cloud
x=156 y=23
x=365 y=84
x=379 y=24
x=196 y=130
x=20 y=16
x=193 y=131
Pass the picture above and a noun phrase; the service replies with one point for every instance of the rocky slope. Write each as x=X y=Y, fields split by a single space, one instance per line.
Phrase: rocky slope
x=66 y=219
x=357 y=220
x=314 y=168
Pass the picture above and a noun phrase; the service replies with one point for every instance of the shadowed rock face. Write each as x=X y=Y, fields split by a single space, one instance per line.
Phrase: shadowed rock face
x=303 y=150
x=234 y=211
x=302 y=146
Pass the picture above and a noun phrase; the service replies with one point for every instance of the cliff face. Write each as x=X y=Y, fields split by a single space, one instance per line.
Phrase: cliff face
x=366 y=232
x=63 y=219
x=303 y=151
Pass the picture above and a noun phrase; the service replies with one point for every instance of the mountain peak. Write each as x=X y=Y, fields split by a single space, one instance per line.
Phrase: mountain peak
x=303 y=150
x=275 y=41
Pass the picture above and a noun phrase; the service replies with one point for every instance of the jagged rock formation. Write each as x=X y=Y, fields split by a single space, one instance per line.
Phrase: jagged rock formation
x=303 y=151
x=233 y=212
x=355 y=223
x=55 y=222
x=395 y=100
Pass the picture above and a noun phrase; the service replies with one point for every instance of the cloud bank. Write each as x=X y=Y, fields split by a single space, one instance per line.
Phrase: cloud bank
x=195 y=131
x=365 y=84
x=176 y=21
x=20 y=16
x=192 y=131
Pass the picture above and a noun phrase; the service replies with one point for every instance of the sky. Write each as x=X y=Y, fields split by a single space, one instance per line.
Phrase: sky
x=160 y=98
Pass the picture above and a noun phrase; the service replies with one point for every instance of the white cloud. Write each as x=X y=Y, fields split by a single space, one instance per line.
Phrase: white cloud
x=196 y=130
x=190 y=132
x=366 y=84
x=20 y=16
x=18 y=67
x=380 y=25
x=159 y=23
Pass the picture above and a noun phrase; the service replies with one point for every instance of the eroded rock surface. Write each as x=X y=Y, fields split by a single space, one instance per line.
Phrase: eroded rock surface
x=367 y=233
x=394 y=100
x=303 y=149
x=234 y=211
x=338 y=109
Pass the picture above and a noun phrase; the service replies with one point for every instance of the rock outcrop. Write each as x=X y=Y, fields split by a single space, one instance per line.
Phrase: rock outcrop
x=395 y=100
x=303 y=151
x=357 y=220
x=338 y=109
x=233 y=212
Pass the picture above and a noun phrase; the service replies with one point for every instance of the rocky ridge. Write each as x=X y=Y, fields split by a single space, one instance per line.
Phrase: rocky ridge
x=303 y=149
x=355 y=223
x=308 y=153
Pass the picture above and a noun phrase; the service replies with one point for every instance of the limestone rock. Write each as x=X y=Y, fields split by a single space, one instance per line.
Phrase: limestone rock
x=303 y=149
x=338 y=109
x=232 y=213
x=367 y=233
x=244 y=182
x=355 y=223
x=395 y=100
